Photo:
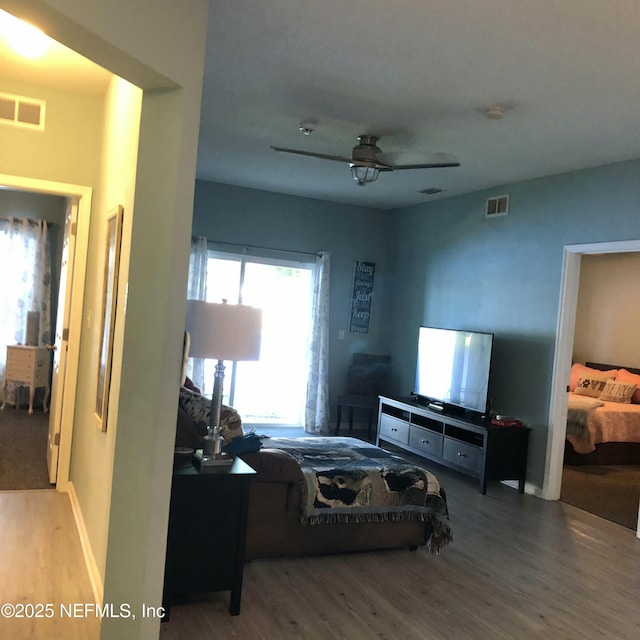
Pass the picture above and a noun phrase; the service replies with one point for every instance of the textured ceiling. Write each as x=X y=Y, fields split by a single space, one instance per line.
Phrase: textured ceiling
x=419 y=73
x=416 y=72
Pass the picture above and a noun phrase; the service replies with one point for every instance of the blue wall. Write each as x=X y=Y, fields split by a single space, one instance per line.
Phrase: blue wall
x=224 y=213
x=444 y=264
x=454 y=268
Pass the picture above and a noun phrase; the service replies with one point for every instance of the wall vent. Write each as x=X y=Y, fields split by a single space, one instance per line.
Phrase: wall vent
x=497 y=206
x=19 y=111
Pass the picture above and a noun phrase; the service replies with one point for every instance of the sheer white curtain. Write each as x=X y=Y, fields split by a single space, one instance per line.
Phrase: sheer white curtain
x=25 y=266
x=197 y=290
x=317 y=409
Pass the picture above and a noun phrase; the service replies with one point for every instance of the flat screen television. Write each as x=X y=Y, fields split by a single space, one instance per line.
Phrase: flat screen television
x=453 y=369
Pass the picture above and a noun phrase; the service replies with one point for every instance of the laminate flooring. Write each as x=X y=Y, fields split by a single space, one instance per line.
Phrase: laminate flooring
x=41 y=563
x=519 y=568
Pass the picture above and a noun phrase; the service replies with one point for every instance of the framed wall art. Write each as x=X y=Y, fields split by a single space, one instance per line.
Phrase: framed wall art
x=362 y=296
x=108 y=312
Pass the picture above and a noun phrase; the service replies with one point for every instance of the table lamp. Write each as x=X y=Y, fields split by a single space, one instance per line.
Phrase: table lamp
x=221 y=331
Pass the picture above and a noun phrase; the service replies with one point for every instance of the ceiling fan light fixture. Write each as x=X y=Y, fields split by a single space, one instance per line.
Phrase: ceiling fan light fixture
x=364 y=174
x=307 y=127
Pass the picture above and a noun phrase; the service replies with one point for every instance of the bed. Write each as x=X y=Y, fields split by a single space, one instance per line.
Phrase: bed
x=317 y=495
x=599 y=430
x=324 y=495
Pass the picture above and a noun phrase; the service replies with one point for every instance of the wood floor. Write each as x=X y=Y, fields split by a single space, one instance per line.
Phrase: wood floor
x=519 y=568
x=41 y=563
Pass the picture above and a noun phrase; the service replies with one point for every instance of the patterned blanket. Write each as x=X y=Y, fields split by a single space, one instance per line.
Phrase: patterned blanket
x=348 y=480
x=579 y=410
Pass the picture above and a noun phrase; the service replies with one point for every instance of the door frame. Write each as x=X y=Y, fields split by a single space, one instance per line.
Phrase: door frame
x=82 y=194
x=565 y=331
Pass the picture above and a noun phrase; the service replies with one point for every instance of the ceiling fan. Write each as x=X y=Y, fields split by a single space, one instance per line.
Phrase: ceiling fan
x=364 y=163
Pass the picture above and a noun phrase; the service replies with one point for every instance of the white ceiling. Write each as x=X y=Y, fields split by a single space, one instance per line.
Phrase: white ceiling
x=59 y=67
x=417 y=72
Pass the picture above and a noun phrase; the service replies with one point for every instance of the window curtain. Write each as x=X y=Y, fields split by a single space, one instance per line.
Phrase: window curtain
x=317 y=407
x=197 y=290
x=25 y=265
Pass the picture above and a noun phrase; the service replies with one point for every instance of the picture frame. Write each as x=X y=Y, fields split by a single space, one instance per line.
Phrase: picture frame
x=108 y=312
x=362 y=296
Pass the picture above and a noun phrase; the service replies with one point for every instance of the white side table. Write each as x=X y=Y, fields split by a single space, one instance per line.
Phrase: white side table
x=28 y=367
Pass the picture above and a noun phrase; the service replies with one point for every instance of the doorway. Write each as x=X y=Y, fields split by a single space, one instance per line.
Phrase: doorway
x=60 y=419
x=565 y=335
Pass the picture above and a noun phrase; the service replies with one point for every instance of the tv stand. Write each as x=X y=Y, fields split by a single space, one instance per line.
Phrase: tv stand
x=472 y=447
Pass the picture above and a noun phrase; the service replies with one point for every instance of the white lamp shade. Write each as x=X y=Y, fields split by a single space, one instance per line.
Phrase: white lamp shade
x=223 y=331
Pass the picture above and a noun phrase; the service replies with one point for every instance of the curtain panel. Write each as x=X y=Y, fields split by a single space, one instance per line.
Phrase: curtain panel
x=25 y=261
x=197 y=290
x=317 y=407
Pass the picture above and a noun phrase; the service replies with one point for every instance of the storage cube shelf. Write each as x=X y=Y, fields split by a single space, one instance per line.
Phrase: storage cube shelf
x=472 y=447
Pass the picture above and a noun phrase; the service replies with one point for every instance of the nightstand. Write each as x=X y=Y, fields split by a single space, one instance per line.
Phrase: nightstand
x=28 y=367
x=207 y=530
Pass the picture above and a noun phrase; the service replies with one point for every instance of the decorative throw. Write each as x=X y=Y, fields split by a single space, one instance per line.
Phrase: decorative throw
x=579 y=409
x=348 y=480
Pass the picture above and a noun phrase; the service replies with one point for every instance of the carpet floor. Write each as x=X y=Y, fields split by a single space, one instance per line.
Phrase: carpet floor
x=608 y=491
x=23 y=450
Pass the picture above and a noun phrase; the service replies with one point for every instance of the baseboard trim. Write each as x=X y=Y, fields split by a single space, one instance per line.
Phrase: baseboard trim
x=529 y=488
x=89 y=559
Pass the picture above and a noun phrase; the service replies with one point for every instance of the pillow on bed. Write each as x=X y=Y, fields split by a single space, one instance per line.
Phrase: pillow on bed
x=618 y=392
x=592 y=384
x=630 y=378
x=581 y=371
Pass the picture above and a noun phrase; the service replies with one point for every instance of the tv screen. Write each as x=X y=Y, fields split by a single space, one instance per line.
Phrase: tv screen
x=453 y=367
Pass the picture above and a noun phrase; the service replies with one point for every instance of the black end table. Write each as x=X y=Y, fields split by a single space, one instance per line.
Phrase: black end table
x=359 y=402
x=207 y=530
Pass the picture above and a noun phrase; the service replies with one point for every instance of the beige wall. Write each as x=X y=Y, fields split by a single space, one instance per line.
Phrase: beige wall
x=68 y=150
x=122 y=477
x=93 y=450
x=608 y=314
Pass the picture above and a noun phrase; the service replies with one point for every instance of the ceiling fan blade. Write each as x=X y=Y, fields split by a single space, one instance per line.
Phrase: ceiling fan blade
x=322 y=156
x=433 y=165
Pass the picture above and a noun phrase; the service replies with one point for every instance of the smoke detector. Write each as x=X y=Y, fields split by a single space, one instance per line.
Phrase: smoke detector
x=494 y=112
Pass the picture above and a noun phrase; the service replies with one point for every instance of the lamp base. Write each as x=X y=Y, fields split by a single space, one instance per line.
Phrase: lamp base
x=218 y=459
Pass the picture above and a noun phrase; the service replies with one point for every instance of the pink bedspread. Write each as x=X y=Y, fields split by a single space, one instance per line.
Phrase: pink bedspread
x=612 y=422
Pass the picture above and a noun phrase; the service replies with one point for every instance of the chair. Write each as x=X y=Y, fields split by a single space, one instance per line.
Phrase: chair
x=367 y=378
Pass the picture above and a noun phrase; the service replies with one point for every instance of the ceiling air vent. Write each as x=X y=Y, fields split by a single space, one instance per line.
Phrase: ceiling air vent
x=497 y=206
x=22 y=112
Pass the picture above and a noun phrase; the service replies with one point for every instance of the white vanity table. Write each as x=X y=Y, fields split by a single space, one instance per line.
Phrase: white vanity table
x=28 y=367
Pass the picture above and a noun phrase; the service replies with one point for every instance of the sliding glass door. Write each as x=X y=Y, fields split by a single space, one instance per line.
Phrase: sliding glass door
x=273 y=390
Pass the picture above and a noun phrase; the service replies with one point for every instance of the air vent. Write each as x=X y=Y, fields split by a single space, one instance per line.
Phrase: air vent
x=22 y=112
x=497 y=206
